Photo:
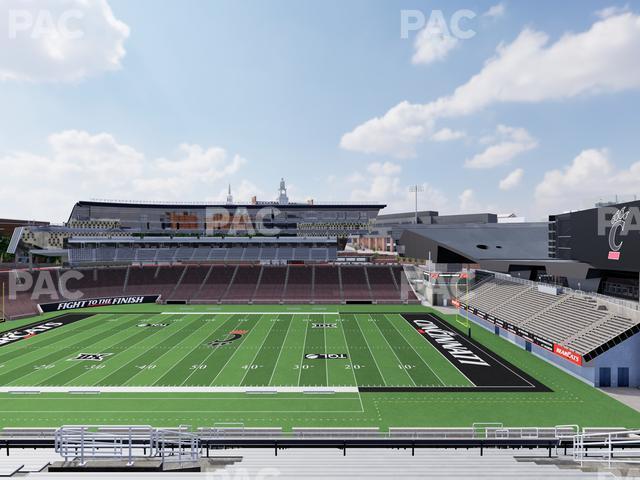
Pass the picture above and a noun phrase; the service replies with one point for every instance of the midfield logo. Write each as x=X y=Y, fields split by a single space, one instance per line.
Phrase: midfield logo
x=92 y=357
x=233 y=336
x=159 y=325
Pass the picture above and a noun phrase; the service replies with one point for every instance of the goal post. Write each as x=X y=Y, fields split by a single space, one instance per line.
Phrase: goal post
x=462 y=319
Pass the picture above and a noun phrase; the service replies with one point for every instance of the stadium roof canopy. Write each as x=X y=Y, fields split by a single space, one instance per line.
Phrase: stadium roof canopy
x=473 y=243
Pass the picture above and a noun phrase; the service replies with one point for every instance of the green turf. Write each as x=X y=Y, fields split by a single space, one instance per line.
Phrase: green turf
x=382 y=349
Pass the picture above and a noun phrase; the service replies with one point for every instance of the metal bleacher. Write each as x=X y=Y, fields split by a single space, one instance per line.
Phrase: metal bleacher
x=576 y=321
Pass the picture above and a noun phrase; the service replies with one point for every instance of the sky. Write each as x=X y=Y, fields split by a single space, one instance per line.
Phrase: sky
x=498 y=106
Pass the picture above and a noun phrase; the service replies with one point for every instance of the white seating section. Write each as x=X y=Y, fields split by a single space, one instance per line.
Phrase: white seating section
x=567 y=319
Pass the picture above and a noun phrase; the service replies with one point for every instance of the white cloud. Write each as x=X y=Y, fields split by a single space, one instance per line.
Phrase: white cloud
x=433 y=42
x=79 y=165
x=196 y=163
x=355 y=177
x=590 y=175
x=611 y=11
x=512 y=180
x=514 y=141
x=495 y=11
x=54 y=41
x=384 y=169
x=468 y=202
x=381 y=183
x=447 y=135
x=528 y=70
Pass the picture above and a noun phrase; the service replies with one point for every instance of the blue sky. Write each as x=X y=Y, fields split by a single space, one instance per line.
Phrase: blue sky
x=173 y=100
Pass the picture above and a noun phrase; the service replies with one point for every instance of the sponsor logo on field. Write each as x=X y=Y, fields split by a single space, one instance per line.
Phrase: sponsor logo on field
x=567 y=354
x=448 y=341
x=324 y=325
x=325 y=356
x=232 y=337
x=92 y=357
x=158 y=325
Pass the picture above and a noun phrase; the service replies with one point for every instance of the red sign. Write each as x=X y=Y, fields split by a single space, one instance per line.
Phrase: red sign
x=567 y=354
x=614 y=255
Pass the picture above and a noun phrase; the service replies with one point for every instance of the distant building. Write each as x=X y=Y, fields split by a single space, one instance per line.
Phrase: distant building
x=510 y=218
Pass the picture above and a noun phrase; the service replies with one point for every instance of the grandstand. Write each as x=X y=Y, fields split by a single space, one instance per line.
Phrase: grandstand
x=578 y=322
x=98 y=251
x=221 y=284
x=591 y=335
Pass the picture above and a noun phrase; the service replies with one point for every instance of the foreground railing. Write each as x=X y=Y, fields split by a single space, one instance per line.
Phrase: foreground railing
x=84 y=443
x=621 y=446
x=68 y=439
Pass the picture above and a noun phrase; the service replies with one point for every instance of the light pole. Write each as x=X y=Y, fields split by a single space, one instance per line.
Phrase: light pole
x=416 y=189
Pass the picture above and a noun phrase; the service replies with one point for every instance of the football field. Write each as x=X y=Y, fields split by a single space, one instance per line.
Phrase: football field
x=280 y=366
x=245 y=349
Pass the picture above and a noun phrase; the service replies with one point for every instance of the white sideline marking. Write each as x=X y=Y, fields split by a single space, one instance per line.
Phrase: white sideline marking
x=250 y=313
x=96 y=390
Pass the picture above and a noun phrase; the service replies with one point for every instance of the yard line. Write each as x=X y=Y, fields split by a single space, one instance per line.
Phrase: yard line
x=186 y=355
x=121 y=353
x=304 y=347
x=400 y=362
x=236 y=351
x=326 y=363
x=275 y=367
x=133 y=359
x=258 y=350
x=116 y=333
x=353 y=373
x=170 y=350
x=370 y=351
x=427 y=364
x=213 y=350
x=30 y=350
x=344 y=335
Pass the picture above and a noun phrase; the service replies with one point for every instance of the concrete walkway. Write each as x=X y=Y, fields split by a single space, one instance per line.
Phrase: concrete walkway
x=628 y=396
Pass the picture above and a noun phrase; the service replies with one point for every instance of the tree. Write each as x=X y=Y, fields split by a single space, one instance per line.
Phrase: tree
x=4 y=244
